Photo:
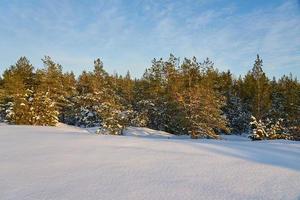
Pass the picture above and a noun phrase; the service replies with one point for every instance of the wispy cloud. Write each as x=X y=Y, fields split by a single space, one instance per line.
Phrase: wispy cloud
x=128 y=34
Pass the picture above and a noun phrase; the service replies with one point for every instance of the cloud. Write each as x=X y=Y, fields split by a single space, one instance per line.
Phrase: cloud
x=127 y=35
x=233 y=40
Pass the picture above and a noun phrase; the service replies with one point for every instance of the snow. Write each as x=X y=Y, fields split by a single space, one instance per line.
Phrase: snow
x=71 y=163
x=147 y=133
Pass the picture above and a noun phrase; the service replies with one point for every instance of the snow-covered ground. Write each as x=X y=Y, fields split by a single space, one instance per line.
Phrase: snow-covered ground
x=71 y=163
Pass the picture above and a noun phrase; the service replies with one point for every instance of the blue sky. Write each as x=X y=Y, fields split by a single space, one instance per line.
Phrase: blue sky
x=128 y=34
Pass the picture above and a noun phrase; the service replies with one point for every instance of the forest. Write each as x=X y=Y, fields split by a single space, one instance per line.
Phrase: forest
x=178 y=96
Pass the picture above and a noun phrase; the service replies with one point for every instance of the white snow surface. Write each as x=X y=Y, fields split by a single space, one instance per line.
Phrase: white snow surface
x=147 y=133
x=71 y=163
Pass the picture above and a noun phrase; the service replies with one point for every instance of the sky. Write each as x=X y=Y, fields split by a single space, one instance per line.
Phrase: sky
x=128 y=34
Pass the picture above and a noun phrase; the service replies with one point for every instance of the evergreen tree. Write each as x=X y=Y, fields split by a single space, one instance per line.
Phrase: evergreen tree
x=20 y=111
x=255 y=90
x=238 y=116
x=156 y=96
x=18 y=78
x=179 y=97
x=124 y=87
x=17 y=81
x=44 y=109
x=202 y=105
x=32 y=109
x=258 y=129
x=68 y=114
x=276 y=111
x=98 y=103
x=203 y=113
x=268 y=130
x=51 y=80
x=289 y=88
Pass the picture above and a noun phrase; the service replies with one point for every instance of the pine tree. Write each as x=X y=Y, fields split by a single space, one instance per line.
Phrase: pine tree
x=202 y=105
x=276 y=111
x=17 y=81
x=19 y=111
x=85 y=101
x=153 y=101
x=179 y=97
x=98 y=103
x=112 y=119
x=255 y=90
x=258 y=130
x=124 y=87
x=268 y=130
x=2 y=101
x=238 y=116
x=68 y=114
x=18 y=78
x=45 y=110
x=156 y=96
x=289 y=88
x=203 y=113
x=51 y=80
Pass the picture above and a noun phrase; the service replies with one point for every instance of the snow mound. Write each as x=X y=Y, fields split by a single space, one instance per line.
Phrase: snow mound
x=147 y=132
x=236 y=137
x=142 y=132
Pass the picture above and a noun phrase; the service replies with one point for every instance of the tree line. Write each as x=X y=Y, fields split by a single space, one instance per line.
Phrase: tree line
x=178 y=96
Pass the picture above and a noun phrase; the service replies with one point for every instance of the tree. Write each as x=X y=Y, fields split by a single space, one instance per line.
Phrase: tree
x=238 y=116
x=202 y=104
x=113 y=119
x=187 y=97
x=124 y=87
x=267 y=130
x=44 y=110
x=20 y=110
x=203 y=113
x=258 y=129
x=255 y=90
x=289 y=88
x=156 y=96
x=17 y=85
x=67 y=113
x=278 y=100
x=54 y=83
x=98 y=103
x=33 y=109
x=18 y=78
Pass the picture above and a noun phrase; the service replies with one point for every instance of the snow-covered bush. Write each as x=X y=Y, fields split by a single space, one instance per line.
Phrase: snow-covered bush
x=268 y=130
x=258 y=129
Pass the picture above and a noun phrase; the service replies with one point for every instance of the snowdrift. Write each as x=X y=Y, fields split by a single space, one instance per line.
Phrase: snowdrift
x=71 y=163
x=147 y=133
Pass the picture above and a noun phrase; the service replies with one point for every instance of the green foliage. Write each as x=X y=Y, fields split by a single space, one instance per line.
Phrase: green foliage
x=237 y=114
x=44 y=110
x=32 y=109
x=255 y=90
x=187 y=97
x=268 y=130
x=203 y=113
